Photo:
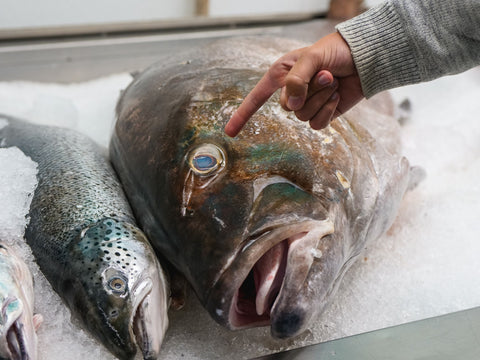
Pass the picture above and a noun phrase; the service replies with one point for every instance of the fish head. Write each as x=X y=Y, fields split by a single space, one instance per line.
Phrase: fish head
x=18 y=339
x=118 y=288
x=246 y=220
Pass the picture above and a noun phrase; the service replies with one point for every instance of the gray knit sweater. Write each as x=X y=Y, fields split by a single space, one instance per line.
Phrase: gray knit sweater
x=405 y=42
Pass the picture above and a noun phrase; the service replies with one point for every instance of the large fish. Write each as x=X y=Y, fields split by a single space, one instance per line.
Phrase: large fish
x=263 y=225
x=84 y=238
x=18 y=340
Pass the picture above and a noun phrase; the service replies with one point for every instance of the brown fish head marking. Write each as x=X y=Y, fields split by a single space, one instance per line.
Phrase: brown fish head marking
x=248 y=220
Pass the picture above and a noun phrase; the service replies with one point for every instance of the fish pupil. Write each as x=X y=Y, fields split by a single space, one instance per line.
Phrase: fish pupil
x=117 y=285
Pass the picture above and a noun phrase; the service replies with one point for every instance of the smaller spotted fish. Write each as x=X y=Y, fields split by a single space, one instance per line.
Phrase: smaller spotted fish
x=18 y=339
x=84 y=238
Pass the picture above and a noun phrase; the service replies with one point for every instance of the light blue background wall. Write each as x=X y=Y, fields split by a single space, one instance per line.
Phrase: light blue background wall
x=16 y=14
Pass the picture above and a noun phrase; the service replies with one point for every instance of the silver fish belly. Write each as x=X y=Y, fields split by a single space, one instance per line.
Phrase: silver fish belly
x=84 y=238
x=18 y=323
x=263 y=225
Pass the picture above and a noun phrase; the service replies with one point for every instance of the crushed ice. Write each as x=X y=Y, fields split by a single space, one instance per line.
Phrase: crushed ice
x=426 y=265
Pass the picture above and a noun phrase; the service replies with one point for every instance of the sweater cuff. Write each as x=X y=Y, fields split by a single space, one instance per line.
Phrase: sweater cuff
x=382 y=54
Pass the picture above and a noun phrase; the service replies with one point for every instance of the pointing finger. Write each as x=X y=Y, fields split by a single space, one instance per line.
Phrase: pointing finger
x=265 y=88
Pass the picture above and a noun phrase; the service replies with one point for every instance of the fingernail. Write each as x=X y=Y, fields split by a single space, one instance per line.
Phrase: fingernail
x=294 y=102
x=323 y=80
x=334 y=96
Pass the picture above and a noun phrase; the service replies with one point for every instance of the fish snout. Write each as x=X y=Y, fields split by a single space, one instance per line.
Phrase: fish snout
x=18 y=338
x=275 y=288
x=288 y=324
x=312 y=277
x=150 y=319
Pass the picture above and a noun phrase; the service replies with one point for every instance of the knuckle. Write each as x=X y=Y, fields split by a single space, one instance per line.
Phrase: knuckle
x=302 y=115
x=295 y=84
x=319 y=122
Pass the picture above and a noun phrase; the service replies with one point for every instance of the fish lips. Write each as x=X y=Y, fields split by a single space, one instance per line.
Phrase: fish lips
x=265 y=281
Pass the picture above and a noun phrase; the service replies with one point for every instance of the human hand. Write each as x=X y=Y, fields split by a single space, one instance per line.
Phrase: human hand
x=318 y=83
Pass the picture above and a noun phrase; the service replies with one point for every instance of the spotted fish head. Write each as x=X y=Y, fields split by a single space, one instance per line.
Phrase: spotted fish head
x=116 y=285
x=17 y=322
x=249 y=221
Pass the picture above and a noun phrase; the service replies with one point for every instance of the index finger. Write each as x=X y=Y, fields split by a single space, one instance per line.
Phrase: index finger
x=264 y=89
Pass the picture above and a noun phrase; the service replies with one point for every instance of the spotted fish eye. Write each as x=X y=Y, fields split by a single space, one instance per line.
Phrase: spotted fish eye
x=206 y=159
x=118 y=285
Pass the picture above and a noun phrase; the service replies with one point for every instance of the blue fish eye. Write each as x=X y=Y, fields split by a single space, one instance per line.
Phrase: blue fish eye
x=204 y=162
x=206 y=159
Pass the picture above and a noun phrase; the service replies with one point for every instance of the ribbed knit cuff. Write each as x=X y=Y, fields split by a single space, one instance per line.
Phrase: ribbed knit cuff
x=383 y=56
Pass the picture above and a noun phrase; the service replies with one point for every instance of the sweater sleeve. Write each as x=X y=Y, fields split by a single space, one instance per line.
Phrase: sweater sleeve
x=405 y=42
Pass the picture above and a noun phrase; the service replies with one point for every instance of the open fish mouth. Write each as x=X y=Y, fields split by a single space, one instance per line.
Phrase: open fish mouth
x=280 y=270
x=253 y=301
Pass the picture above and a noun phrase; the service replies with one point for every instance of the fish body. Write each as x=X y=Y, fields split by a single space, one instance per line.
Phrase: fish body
x=18 y=340
x=86 y=242
x=263 y=225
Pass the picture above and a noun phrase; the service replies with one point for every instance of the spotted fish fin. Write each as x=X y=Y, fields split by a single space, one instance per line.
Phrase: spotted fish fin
x=37 y=321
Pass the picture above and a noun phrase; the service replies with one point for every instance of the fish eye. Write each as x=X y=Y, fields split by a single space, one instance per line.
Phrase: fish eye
x=206 y=159
x=117 y=284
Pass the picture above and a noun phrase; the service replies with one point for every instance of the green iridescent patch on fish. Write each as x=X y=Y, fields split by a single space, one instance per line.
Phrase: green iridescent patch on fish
x=12 y=306
x=266 y=155
x=284 y=192
x=188 y=137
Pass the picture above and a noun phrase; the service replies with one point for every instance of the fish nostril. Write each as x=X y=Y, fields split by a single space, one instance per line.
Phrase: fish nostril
x=113 y=314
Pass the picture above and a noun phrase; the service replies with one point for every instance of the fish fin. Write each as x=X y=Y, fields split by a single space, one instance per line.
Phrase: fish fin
x=403 y=111
x=417 y=175
x=177 y=282
x=178 y=290
x=37 y=321
x=134 y=74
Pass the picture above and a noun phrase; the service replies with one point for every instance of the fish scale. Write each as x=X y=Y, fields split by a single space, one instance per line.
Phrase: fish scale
x=84 y=238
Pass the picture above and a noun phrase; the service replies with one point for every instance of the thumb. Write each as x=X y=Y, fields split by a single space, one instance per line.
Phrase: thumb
x=298 y=79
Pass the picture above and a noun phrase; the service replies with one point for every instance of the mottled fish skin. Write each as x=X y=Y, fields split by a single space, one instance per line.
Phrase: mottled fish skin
x=18 y=340
x=263 y=225
x=84 y=238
